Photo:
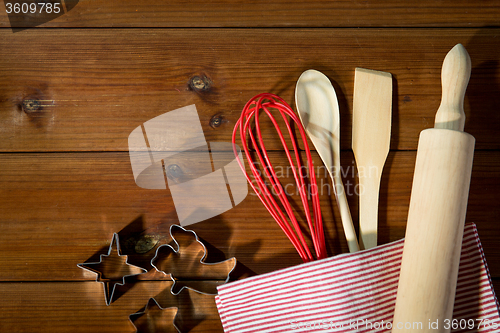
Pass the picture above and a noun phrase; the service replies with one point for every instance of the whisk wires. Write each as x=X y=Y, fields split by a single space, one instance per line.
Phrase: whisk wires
x=282 y=212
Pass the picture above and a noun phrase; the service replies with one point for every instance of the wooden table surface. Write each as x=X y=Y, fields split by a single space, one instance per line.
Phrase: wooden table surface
x=73 y=89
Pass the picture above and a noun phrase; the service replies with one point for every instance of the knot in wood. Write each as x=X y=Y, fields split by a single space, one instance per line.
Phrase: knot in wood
x=200 y=83
x=216 y=120
x=31 y=105
x=146 y=243
x=174 y=171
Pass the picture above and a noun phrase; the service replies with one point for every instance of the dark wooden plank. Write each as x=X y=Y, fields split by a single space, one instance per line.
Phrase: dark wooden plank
x=278 y=13
x=57 y=210
x=95 y=86
x=79 y=307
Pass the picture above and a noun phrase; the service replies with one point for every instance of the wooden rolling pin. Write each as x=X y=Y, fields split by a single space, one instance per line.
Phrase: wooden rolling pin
x=429 y=268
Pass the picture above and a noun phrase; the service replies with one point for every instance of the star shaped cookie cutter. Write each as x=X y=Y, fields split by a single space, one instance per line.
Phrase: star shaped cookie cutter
x=111 y=275
x=149 y=313
x=211 y=272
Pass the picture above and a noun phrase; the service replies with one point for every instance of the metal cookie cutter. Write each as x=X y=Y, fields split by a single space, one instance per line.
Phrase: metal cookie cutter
x=186 y=263
x=112 y=268
x=155 y=318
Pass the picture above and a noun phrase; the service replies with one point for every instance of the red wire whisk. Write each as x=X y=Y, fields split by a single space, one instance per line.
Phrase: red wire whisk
x=271 y=192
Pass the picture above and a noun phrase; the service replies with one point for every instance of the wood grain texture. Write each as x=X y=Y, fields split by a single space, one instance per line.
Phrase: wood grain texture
x=93 y=87
x=277 y=13
x=60 y=209
x=69 y=98
x=79 y=307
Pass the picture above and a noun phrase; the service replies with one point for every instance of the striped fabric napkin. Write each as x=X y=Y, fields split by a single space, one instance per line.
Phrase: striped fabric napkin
x=352 y=293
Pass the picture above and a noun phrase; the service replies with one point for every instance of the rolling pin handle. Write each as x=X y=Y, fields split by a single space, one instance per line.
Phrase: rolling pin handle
x=455 y=76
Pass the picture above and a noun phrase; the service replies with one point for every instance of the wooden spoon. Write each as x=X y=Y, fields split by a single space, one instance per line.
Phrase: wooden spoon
x=371 y=135
x=319 y=112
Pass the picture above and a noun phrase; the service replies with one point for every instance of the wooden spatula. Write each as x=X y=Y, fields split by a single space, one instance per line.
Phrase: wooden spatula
x=371 y=134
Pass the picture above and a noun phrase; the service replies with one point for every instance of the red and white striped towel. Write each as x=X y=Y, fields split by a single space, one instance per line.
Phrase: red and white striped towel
x=352 y=293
